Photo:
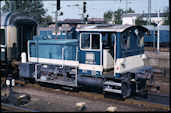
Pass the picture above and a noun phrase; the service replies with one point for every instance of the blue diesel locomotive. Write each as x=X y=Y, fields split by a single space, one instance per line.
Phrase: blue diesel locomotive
x=107 y=57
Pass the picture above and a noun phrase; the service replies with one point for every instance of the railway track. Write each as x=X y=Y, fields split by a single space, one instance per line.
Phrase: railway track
x=154 y=98
x=151 y=100
x=162 y=49
x=11 y=108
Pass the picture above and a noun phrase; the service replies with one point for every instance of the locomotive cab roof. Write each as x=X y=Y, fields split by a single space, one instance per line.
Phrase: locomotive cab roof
x=111 y=28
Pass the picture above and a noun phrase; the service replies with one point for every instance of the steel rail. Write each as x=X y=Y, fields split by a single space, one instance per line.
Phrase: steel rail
x=154 y=98
x=13 y=108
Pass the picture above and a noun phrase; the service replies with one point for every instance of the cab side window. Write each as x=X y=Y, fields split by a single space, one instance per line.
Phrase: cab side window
x=85 y=41
x=108 y=40
x=126 y=40
x=2 y=35
x=90 y=41
x=141 y=40
x=95 y=41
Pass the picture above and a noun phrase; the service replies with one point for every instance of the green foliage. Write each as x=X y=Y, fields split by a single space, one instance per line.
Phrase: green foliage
x=108 y=15
x=6 y=7
x=117 y=15
x=130 y=11
x=167 y=14
x=140 y=21
x=46 y=21
x=30 y=7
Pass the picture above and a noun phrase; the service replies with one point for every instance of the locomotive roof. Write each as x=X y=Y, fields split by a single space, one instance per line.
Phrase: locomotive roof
x=109 y=28
x=10 y=18
x=53 y=28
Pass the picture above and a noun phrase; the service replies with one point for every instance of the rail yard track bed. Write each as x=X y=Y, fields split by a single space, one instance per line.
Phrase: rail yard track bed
x=162 y=49
x=164 y=88
x=59 y=100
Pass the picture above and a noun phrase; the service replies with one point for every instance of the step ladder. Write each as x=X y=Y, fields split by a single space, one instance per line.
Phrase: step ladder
x=113 y=87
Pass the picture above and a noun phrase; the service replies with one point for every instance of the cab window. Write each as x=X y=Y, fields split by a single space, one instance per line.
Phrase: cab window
x=85 y=41
x=90 y=41
x=126 y=40
x=95 y=41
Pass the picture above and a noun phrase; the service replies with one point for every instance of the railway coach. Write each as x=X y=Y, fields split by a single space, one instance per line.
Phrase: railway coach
x=151 y=38
x=106 y=57
x=15 y=30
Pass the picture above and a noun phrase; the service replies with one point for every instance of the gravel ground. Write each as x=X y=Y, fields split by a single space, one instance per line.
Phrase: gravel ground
x=161 y=55
x=49 y=101
x=164 y=88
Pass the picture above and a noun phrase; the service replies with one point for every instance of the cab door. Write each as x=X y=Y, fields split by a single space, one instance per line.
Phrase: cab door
x=3 y=51
x=90 y=54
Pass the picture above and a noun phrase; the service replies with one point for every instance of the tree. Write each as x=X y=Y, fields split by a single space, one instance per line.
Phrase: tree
x=130 y=11
x=37 y=11
x=167 y=15
x=30 y=7
x=46 y=21
x=117 y=15
x=108 y=15
x=140 y=21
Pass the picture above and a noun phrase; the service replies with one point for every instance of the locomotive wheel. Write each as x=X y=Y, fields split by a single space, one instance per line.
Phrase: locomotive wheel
x=126 y=89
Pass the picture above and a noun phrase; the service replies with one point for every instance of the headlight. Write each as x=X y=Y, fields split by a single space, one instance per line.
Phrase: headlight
x=144 y=56
x=10 y=82
x=13 y=82
x=7 y=82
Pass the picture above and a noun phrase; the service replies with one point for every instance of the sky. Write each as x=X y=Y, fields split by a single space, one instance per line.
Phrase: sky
x=96 y=8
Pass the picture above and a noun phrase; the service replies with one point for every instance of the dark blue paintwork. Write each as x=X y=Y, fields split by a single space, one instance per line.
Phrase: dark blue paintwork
x=164 y=36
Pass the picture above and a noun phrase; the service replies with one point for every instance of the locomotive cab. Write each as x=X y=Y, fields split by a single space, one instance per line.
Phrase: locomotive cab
x=97 y=52
x=116 y=53
x=101 y=47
